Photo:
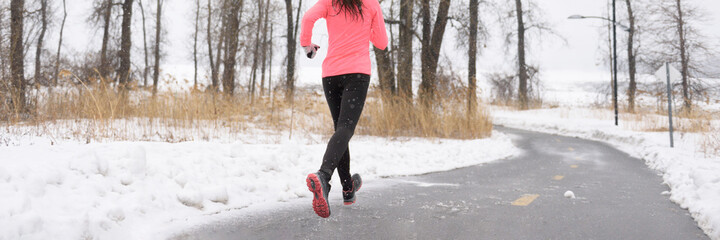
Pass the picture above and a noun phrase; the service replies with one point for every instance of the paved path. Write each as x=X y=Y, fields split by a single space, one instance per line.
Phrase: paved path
x=617 y=197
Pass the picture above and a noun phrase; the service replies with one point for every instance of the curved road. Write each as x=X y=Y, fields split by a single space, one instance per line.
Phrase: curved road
x=617 y=197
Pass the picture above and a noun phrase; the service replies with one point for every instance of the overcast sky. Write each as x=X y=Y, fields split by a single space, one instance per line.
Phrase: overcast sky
x=580 y=54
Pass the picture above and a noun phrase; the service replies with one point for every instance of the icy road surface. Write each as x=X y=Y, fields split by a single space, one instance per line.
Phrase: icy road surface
x=616 y=197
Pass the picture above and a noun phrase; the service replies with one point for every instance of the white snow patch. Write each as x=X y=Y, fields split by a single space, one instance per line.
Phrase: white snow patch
x=569 y=194
x=427 y=184
x=133 y=190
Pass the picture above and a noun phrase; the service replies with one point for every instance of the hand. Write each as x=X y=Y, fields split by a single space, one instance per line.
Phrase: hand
x=311 y=50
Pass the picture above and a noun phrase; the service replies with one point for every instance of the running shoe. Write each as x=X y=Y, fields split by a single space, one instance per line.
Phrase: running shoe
x=318 y=184
x=349 y=196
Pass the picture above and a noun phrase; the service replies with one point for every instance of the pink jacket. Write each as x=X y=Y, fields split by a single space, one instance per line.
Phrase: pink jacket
x=348 y=50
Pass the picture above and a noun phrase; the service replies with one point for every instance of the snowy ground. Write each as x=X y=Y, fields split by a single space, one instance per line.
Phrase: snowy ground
x=691 y=172
x=129 y=190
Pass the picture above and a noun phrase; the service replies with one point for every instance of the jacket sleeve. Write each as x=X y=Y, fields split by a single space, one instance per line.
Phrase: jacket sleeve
x=319 y=10
x=378 y=33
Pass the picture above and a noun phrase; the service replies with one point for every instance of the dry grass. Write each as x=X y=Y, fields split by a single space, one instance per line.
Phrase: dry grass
x=698 y=121
x=99 y=112
x=448 y=119
x=704 y=123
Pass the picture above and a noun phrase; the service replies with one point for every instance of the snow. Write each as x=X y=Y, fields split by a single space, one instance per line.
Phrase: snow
x=569 y=194
x=126 y=190
x=689 y=171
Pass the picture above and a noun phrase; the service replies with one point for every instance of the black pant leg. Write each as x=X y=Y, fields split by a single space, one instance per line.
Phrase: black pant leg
x=352 y=102
x=333 y=87
x=344 y=170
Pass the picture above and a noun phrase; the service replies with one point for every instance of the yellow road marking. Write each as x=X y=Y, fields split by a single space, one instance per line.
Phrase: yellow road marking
x=525 y=200
x=558 y=177
x=578 y=158
x=571 y=149
x=573 y=166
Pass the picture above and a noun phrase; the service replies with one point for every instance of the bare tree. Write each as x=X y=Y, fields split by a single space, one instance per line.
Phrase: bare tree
x=385 y=62
x=145 y=47
x=125 y=45
x=17 y=56
x=520 y=19
x=3 y=51
x=632 y=66
x=291 y=48
x=106 y=9
x=270 y=59
x=208 y=37
x=522 y=68
x=433 y=35
x=156 y=49
x=60 y=40
x=256 y=51
x=265 y=47
x=214 y=65
x=472 y=56
x=220 y=49
x=685 y=44
x=405 y=49
x=386 y=71
x=195 y=41
x=38 y=52
x=232 y=30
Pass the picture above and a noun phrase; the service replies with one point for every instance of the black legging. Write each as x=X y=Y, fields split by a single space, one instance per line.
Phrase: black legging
x=345 y=95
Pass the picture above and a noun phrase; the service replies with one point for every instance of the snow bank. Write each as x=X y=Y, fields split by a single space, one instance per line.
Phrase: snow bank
x=126 y=190
x=693 y=177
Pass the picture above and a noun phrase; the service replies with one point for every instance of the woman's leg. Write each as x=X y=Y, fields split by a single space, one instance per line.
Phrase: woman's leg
x=344 y=171
x=351 y=91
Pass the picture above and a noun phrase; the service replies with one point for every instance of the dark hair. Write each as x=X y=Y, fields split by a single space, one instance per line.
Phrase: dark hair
x=350 y=7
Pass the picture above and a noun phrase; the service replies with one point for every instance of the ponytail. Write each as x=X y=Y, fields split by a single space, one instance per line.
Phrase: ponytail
x=350 y=7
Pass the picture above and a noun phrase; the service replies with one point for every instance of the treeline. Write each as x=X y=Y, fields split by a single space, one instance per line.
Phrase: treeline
x=229 y=34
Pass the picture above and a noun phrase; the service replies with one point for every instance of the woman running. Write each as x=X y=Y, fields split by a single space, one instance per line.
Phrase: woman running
x=351 y=24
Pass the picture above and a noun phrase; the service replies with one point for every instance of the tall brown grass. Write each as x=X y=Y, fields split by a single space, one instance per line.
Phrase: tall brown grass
x=98 y=111
x=447 y=118
x=697 y=121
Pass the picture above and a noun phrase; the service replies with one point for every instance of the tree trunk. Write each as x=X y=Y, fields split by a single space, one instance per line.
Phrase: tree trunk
x=264 y=47
x=631 y=58
x=220 y=50
x=3 y=63
x=213 y=69
x=125 y=45
x=57 y=56
x=17 y=64
x=386 y=73
x=270 y=59
x=232 y=31
x=522 y=69
x=610 y=48
x=291 y=48
x=684 y=58
x=195 y=42
x=386 y=63
x=256 y=51
x=145 y=48
x=430 y=53
x=405 y=50
x=41 y=38
x=104 y=65
x=472 y=56
x=156 y=48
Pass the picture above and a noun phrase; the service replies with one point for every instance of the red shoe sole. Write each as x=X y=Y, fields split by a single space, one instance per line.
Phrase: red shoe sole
x=320 y=204
x=348 y=203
